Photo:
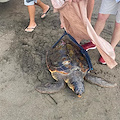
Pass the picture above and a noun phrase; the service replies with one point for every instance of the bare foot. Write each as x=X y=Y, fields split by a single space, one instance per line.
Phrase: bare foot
x=31 y=27
x=45 y=11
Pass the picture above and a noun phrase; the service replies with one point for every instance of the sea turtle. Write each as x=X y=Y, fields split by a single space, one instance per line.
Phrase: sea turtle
x=68 y=65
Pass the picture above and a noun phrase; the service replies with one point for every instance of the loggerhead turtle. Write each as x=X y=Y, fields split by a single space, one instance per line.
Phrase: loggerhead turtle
x=68 y=65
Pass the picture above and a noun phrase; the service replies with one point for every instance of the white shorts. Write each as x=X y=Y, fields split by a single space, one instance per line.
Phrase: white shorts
x=32 y=2
x=110 y=7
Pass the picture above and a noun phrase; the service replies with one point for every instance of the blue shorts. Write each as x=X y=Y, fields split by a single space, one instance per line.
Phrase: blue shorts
x=32 y=2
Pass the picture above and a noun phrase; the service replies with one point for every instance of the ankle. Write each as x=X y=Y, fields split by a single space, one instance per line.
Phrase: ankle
x=45 y=8
x=32 y=24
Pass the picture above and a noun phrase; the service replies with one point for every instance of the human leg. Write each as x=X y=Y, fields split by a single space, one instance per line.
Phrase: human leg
x=101 y=20
x=31 y=9
x=107 y=8
x=90 y=7
x=99 y=26
x=114 y=41
x=116 y=33
x=100 y=23
x=32 y=24
x=44 y=7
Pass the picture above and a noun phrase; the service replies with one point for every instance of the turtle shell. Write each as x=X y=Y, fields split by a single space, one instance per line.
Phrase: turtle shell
x=68 y=65
x=65 y=56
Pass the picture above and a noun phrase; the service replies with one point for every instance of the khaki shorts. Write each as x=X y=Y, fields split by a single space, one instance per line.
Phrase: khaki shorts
x=110 y=7
x=30 y=3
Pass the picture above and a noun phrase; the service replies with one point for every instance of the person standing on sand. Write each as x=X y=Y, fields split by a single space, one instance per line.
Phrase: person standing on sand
x=31 y=9
x=107 y=7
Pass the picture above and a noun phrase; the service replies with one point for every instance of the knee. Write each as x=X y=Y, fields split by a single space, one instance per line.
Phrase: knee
x=102 y=17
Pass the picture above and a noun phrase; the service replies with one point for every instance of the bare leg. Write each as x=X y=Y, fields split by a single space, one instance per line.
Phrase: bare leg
x=43 y=6
x=90 y=7
x=99 y=26
x=116 y=35
x=32 y=24
x=100 y=23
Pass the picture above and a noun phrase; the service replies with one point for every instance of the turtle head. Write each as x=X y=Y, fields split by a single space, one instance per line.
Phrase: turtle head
x=78 y=88
x=77 y=85
x=75 y=82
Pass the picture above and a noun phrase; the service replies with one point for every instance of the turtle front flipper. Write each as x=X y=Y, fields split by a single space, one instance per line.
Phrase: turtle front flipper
x=99 y=81
x=51 y=87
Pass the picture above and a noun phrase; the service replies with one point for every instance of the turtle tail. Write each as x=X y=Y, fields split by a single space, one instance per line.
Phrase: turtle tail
x=50 y=87
x=99 y=81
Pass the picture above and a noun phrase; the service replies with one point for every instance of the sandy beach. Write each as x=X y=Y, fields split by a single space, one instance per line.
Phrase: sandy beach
x=22 y=67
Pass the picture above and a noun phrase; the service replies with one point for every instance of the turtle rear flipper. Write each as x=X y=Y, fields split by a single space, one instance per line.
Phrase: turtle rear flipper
x=51 y=87
x=99 y=81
